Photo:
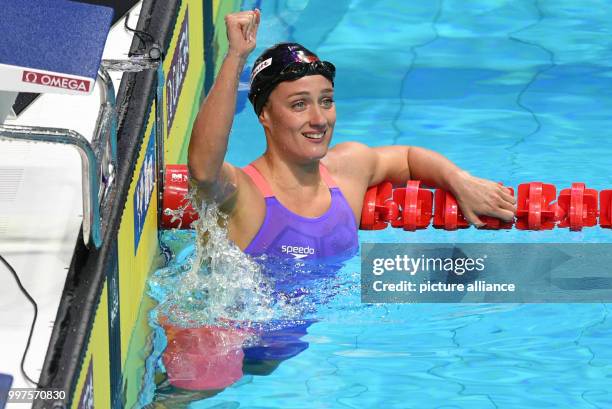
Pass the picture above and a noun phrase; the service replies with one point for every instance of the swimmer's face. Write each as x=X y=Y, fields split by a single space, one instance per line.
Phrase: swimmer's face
x=300 y=116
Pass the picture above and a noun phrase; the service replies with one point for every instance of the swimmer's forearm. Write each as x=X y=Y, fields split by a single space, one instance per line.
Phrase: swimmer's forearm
x=211 y=129
x=433 y=169
x=475 y=196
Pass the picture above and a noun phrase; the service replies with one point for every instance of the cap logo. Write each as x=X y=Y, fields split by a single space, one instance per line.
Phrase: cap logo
x=310 y=58
x=259 y=67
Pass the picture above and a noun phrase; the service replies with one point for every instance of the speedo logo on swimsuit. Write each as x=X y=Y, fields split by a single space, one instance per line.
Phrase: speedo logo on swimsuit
x=297 y=251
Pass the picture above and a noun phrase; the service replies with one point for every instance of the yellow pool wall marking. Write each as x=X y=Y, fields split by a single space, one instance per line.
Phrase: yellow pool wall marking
x=189 y=101
x=98 y=351
x=134 y=267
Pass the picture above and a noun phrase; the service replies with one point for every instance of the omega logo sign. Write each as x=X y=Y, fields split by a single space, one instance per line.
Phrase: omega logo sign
x=55 y=81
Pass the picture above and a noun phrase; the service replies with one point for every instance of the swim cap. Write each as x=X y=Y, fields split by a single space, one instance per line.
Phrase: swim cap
x=284 y=62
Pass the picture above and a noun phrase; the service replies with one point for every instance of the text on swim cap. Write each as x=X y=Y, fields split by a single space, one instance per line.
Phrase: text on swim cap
x=259 y=67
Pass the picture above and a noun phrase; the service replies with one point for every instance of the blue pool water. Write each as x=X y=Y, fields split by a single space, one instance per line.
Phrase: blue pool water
x=513 y=91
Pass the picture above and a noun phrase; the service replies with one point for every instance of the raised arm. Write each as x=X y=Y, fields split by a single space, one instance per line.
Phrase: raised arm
x=211 y=129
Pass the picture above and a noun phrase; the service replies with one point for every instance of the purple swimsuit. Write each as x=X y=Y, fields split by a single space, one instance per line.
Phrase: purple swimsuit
x=288 y=235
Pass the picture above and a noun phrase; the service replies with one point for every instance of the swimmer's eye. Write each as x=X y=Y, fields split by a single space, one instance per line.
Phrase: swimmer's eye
x=327 y=102
x=298 y=105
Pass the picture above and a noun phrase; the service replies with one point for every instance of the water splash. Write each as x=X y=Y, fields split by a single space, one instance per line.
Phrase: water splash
x=210 y=281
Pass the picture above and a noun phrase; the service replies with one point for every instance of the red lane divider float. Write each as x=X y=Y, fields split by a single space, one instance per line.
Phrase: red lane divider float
x=416 y=206
x=448 y=215
x=537 y=209
x=408 y=208
x=412 y=207
x=579 y=205
x=605 y=204
x=176 y=186
x=534 y=209
x=378 y=207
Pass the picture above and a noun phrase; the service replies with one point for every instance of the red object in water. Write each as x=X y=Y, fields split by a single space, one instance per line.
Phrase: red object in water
x=580 y=207
x=415 y=205
x=605 y=208
x=493 y=223
x=368 y=209
x=447 y=214
x=204 y=358
x=175 y=188
x=535 y=210
x=378 y=207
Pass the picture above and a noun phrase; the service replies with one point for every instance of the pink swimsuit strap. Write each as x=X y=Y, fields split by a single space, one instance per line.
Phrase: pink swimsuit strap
x=264 y=187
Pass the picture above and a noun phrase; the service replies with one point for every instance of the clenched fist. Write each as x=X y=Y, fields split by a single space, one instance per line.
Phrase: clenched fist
x=242 y=31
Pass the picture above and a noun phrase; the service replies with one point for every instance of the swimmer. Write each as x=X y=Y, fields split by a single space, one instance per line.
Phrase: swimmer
x=301 y=198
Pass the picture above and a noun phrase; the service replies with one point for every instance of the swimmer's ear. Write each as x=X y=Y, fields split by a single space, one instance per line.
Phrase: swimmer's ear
x=264 y=116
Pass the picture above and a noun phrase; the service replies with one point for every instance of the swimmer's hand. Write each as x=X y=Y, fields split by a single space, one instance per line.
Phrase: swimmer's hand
x=241 y=30
x=481 y=197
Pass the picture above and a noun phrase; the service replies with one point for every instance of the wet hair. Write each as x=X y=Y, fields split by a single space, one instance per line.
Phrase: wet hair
x=284 y=62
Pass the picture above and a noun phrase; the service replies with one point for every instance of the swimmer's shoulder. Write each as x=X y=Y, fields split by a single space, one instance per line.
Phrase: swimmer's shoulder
x=350 y=161
x=350 y=165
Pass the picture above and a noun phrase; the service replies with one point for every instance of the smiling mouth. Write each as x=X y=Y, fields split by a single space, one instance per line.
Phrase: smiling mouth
x=315 y=136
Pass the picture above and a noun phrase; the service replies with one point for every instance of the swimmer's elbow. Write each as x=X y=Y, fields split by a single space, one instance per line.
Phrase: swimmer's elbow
x=199 y=175
x=200 y=169
x=205 y=183
x=216 y=187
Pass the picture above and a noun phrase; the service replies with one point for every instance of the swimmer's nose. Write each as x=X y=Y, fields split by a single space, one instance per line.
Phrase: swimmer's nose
x=317 y=119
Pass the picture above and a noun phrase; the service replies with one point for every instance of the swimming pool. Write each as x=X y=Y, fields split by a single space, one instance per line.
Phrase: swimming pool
x=511 y=91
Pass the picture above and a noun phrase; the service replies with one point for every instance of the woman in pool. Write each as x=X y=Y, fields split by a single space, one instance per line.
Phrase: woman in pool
x=302 y=199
